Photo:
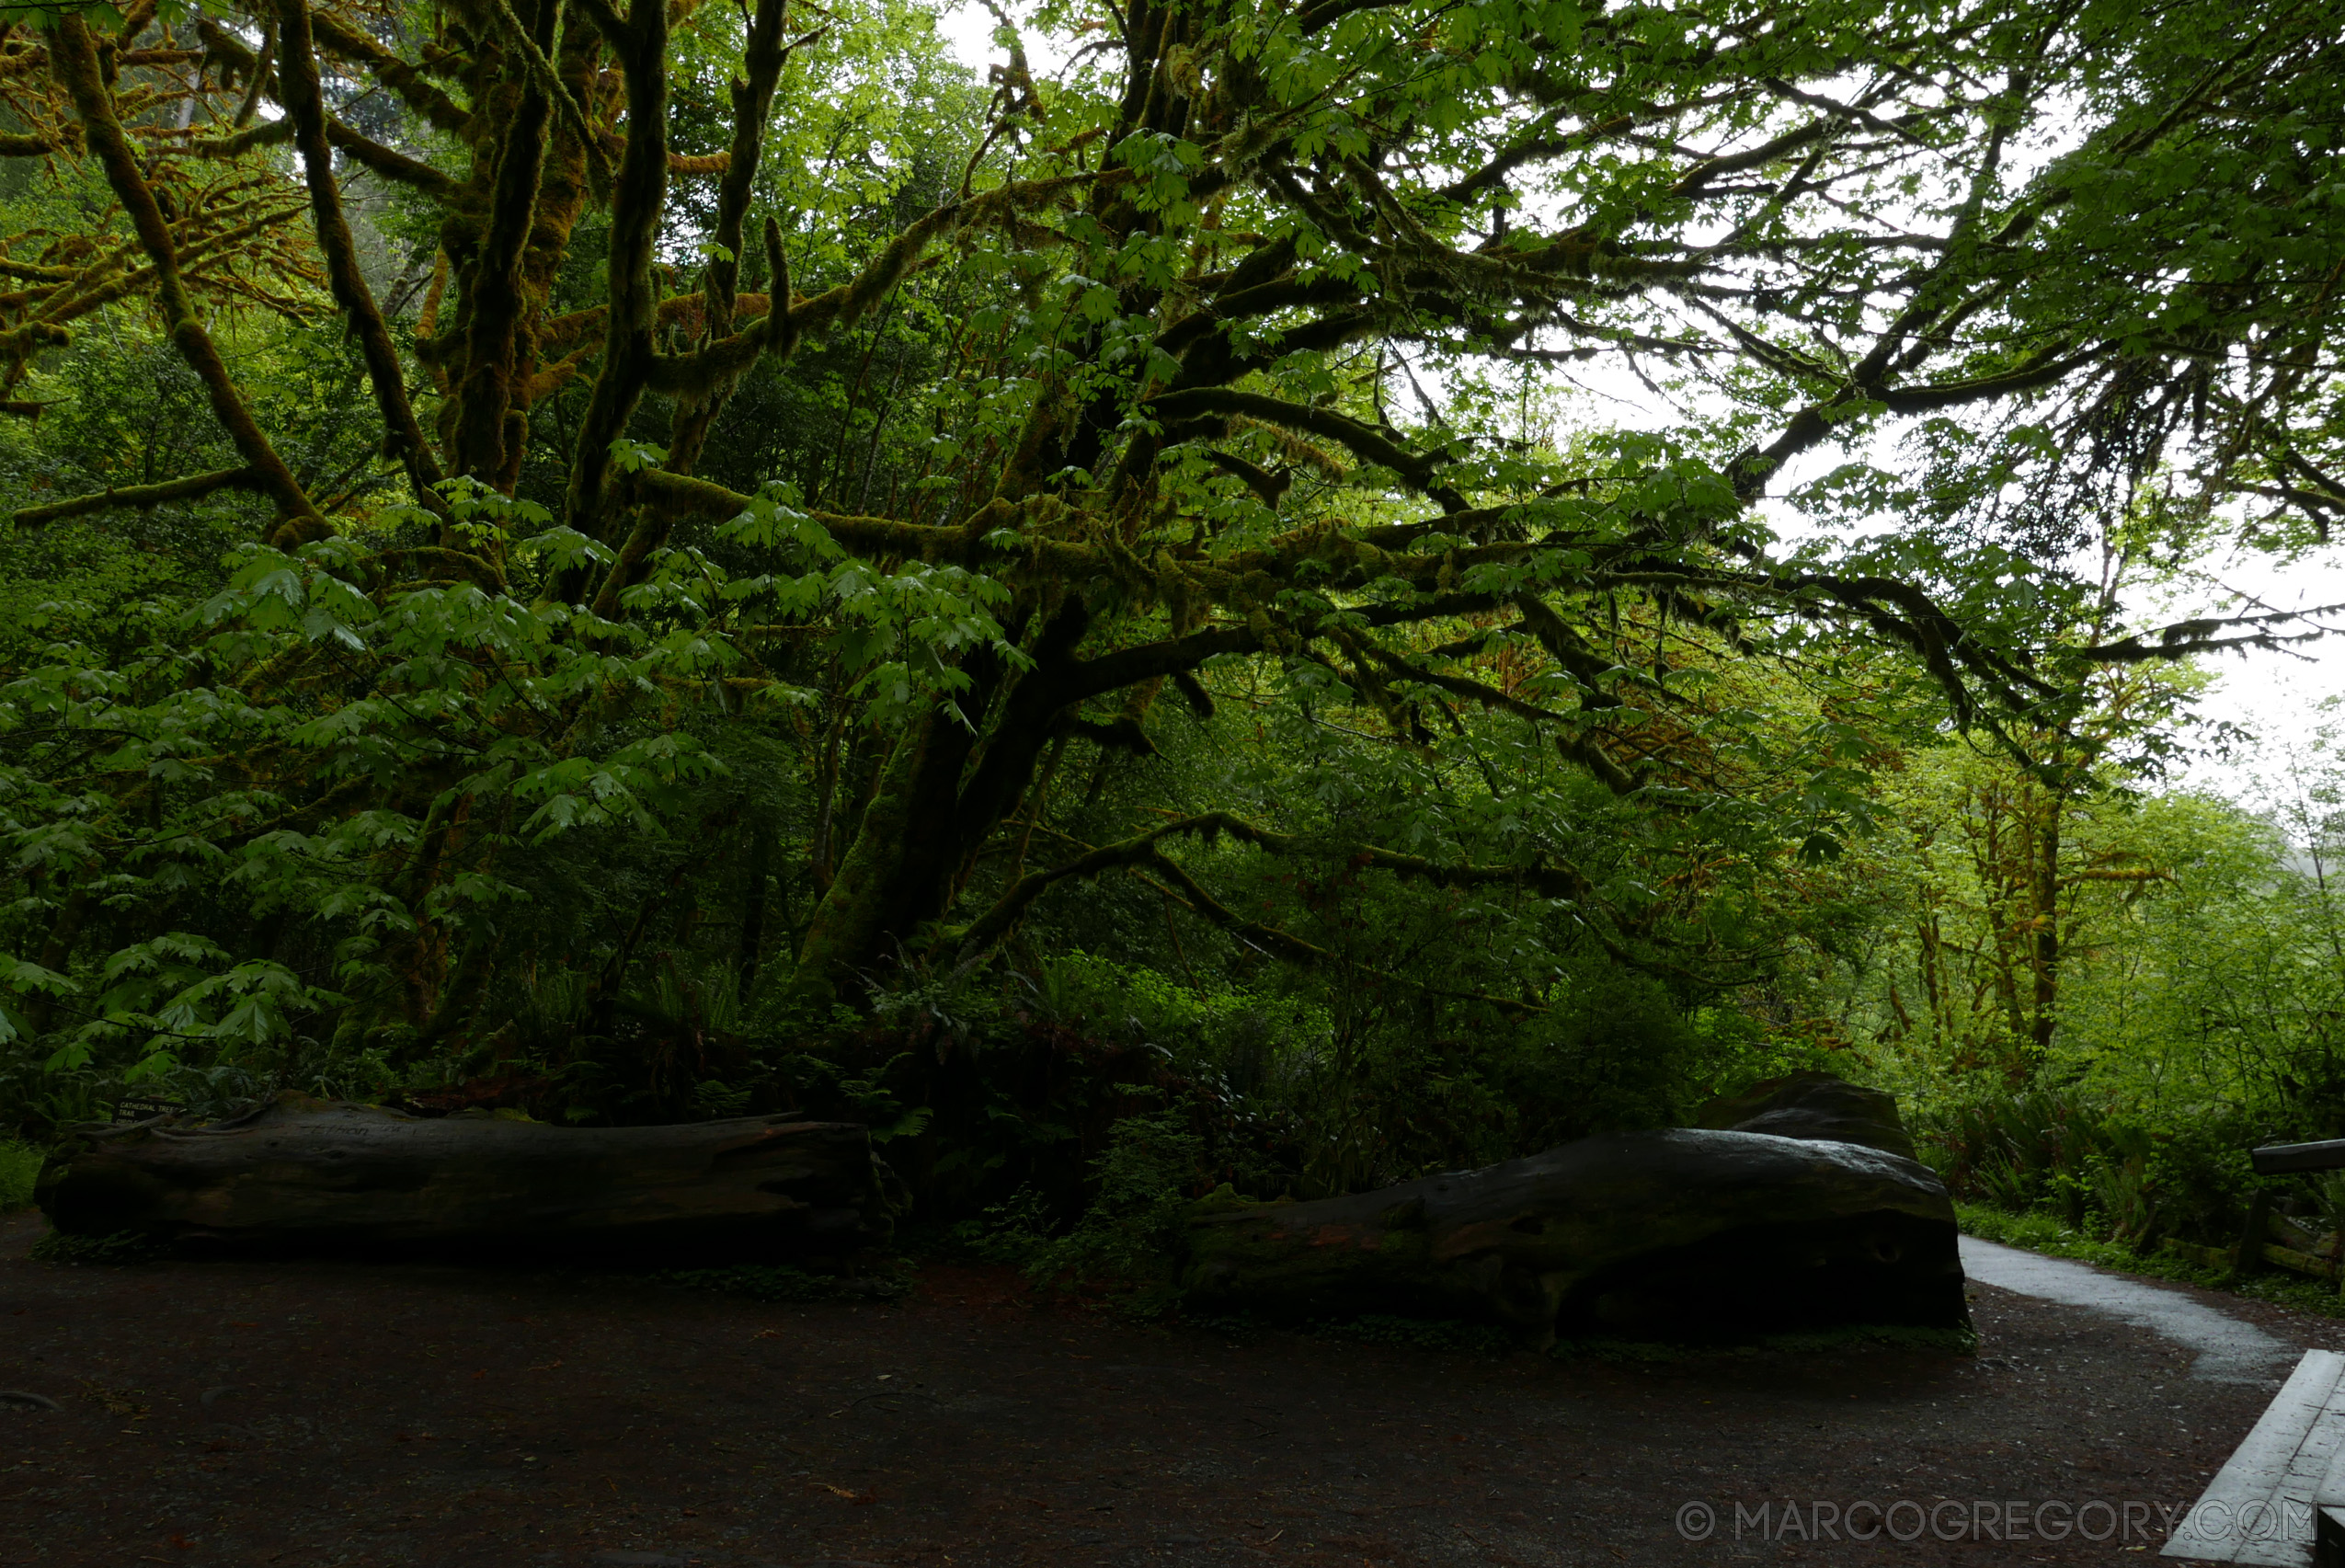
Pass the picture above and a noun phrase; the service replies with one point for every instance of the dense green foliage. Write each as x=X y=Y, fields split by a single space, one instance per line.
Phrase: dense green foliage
x=2196 y=1006
x=1085 y=621
x=19 y=1164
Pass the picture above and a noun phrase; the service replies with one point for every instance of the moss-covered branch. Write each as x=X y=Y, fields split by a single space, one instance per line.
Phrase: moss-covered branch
x=195 y=487
x=1146 y=849
x=74 y=61
x=306 y=107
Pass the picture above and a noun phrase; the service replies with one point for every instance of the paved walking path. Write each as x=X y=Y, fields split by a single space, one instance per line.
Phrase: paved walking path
x=2229 y=1350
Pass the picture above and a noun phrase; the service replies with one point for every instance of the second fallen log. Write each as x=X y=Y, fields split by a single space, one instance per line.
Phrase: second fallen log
x=304 y=1174
x=1687 y=1232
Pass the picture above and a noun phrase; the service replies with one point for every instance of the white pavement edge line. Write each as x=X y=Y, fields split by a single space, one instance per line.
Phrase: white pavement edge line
x=2258 y=1472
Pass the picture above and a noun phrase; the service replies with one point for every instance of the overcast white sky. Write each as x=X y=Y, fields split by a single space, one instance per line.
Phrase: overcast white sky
x=2274 y=695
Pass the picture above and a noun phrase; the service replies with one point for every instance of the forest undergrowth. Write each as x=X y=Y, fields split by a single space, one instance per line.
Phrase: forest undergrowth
x=1124 y=620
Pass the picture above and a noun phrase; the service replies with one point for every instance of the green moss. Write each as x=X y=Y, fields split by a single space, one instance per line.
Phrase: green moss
x=1899 y=1336
x=1420 y=1333
x=779 y=1282
x=1223 y=1199
x=1370 y=1328
x=123 y=1246
x=1484 y=1339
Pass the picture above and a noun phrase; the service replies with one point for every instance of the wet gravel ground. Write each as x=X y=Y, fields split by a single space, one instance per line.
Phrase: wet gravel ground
x=342 y=1413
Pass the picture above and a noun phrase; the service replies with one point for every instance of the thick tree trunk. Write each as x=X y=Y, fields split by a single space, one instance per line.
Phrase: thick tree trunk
x=752 y=940
x=941 y=793
x=2046 y=868
x=306 y=1174
x=1681 y=1233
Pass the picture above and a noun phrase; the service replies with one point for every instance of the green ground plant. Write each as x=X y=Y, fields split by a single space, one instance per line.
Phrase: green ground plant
x=19 y=1167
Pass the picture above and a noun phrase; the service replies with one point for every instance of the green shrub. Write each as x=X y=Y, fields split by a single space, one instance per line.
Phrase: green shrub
x=2042 y=1232
x=1011 y=1232
x=1130 y=1236
x=19 y=1164
x=1618 y=1055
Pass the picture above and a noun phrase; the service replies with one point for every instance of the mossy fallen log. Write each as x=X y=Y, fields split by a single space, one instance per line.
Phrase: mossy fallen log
x=1683 y=1234
x=2299 y=1262
x=302 y=1174
x=2205 y=1257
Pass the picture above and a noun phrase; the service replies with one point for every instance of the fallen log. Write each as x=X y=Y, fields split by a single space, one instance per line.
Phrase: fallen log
x=302 y=1174
x=2205 y=1257
x=1813 y=1105
x=2289 y=1232
x=2298 y=1262
x=1683 y=1234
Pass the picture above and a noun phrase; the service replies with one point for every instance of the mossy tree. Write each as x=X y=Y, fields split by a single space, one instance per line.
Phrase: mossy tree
x=1221 y=403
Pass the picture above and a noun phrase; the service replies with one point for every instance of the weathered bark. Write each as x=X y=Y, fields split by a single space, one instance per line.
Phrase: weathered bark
x=1688 y=1233
x=306 y=1174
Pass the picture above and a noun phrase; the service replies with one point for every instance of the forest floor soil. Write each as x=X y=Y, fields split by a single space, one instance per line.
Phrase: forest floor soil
x=310 y=1413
